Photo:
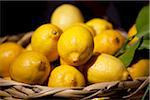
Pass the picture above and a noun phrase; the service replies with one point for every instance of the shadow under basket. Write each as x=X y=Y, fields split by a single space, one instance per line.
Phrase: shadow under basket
x=117 y=90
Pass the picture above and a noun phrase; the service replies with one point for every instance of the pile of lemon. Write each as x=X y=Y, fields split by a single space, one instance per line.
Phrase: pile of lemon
x=85 y=51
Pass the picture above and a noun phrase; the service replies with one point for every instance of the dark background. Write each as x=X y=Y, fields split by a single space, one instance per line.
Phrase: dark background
x=25 y=16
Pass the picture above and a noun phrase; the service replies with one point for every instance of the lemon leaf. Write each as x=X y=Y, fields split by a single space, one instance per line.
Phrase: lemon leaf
x=128 y=55
x=142 y=22
x=142 y=25
x=144 y=44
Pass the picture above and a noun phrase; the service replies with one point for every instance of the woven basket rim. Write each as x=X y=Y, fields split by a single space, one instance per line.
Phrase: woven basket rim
x=10 y=88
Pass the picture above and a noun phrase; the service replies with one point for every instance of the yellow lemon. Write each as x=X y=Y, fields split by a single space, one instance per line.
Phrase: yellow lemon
x=44 y=40
x=66 y=76
x=99 y=25
x=75 y=46
x=66 y=15
x=8 y=52
x=106 y=68
x=30 y=67
x=139 y=69
x=109 y=41
x=87 y=27
x=132 y=31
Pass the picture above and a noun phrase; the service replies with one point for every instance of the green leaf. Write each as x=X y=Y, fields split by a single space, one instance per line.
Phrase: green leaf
x=128 y=55
x=143 y=31
x=142 y=22
x=146 y=37
x=145 y=45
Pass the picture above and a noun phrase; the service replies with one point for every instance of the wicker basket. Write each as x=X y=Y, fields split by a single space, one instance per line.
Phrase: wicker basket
x=130 y=89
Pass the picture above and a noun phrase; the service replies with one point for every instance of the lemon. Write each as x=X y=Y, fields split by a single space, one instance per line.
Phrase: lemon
x=99 y=25
x=109 y=41
x=75 y=45
x=132 y=31
x=106 y=68
x=66 y=76
x=66 y=15
x=139 y=69
x=8 y=52
x=87 y=27
x=44 y=40
x=30 y=67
